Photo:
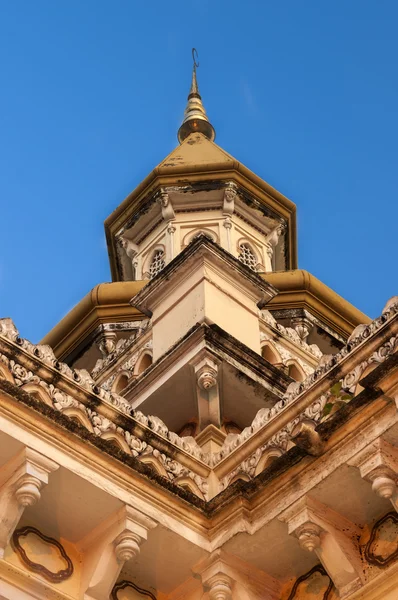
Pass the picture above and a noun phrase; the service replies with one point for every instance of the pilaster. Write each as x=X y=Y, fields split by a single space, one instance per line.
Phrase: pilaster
x=226 y=577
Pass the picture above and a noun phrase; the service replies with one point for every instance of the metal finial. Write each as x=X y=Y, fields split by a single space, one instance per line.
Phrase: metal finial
x=195 y=54
x=195 y=118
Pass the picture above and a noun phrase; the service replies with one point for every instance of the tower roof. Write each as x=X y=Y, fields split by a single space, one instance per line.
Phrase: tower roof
x=195 y=117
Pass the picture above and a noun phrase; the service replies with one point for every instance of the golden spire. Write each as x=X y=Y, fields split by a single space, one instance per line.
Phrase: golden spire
x=195 y=118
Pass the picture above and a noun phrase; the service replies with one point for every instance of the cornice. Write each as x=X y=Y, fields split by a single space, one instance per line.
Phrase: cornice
x=300 y=289
x=374 y=344
x=106 y=303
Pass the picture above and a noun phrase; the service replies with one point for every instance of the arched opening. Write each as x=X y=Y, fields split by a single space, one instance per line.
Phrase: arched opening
x=270 y=354
x=144 y=363
x=192 y=235
x=157 y=263
x=295 y=372
x=247 y=256
x=120 y=383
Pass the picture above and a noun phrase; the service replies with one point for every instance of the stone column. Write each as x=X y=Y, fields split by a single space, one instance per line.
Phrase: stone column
x=170 y=233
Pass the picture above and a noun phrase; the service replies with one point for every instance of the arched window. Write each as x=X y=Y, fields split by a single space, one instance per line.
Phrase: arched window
x=120 y=383
x=247 y=256
x=144 y=363
x=270 y=355
x=295 y=372
x=157 y=263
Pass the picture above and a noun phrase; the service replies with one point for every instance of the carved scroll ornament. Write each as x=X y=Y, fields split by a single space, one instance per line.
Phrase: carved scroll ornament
x=122 y=585
x=56 y=577
x=326 y=592
x=381 y=530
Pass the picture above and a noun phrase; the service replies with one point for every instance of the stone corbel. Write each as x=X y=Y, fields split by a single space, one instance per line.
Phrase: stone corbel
x=226 y=577
x=21 y=481
x=230 y=193
x=378 y=464
x=107 y=343
x=131 y=251
x=130 y=248
x=108 y=547
x=302 y=326
x=333 y=539
x=207 y=385
x=166 y=206
x=271 y=242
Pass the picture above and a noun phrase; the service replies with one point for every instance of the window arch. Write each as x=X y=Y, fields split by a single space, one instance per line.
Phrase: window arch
x=194 y=233
x=295 y=371
x=144 y=363
x=247 y=255
x=120 y=383
x=157 y=263
x=270 y=354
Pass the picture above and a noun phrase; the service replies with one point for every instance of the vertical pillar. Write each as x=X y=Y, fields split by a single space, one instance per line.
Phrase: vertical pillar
x=170 y=237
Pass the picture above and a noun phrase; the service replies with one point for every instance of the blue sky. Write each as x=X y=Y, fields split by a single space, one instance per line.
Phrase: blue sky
x=303 y=93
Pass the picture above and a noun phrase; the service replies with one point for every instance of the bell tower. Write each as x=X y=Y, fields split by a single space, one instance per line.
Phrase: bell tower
x=207 y=319
x=200 y=189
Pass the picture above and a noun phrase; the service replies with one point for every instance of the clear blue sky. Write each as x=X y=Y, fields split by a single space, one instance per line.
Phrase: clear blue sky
x=303 y=93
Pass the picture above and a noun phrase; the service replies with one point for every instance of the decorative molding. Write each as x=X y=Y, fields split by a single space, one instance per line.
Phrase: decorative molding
x=370 y=554
x=122 y=585
x=220 y=587
x=37 y=567
x=317 y=569
x=290 y=333
x=107 y=343
x=121 y=346
x=207 y=378
x=31 y=359
x=127 y=546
